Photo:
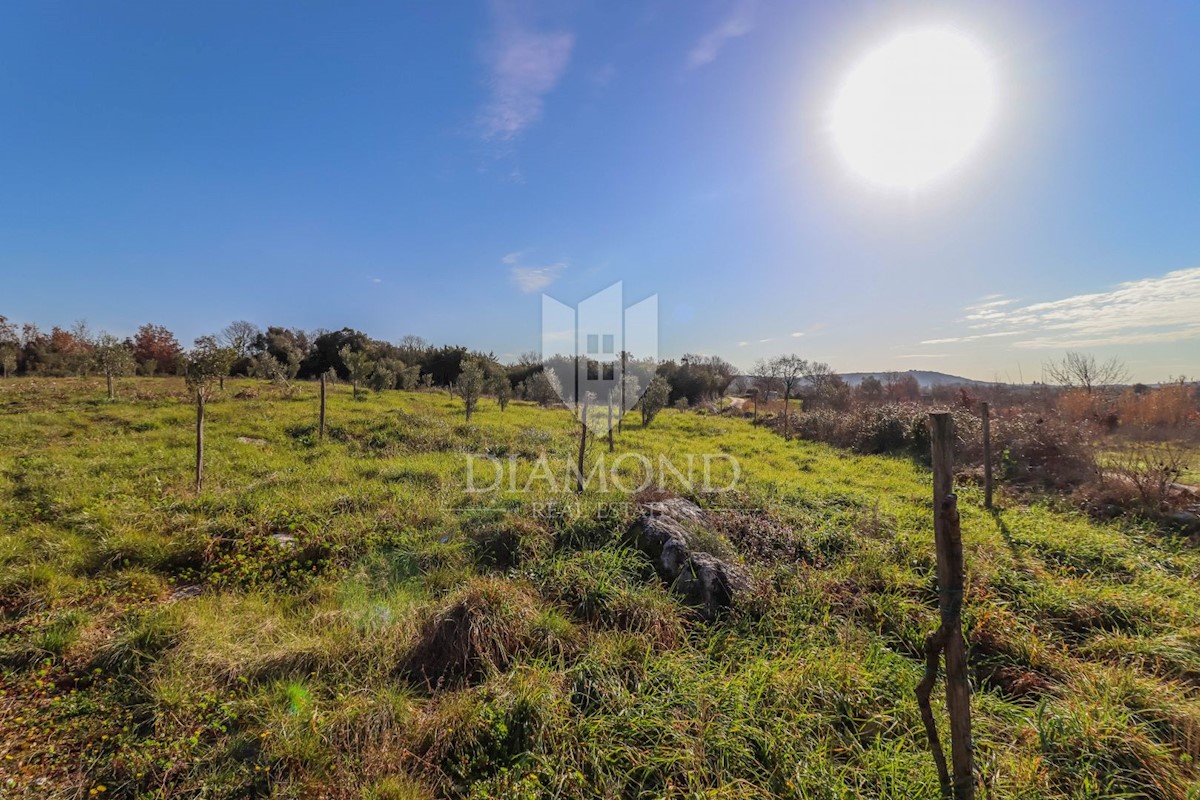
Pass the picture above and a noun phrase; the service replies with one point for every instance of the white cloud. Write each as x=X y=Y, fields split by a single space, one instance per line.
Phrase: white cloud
x=1146 y=311
x=524 y=66
x=738 y=23
x=532 y=278
x=797 y=334
x=376 y=280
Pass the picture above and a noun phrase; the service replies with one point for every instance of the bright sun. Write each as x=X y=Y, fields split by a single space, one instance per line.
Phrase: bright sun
x=914 y=108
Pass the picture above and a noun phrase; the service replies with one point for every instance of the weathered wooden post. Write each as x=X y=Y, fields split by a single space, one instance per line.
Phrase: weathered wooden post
x=321 y=434
x=960 y=784
x=199 y=438
x=985 y=409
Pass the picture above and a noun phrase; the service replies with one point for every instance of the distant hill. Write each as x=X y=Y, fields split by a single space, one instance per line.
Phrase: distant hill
x=925 y=378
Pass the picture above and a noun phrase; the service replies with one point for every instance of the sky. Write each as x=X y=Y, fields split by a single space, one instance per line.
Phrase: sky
x=433 y=168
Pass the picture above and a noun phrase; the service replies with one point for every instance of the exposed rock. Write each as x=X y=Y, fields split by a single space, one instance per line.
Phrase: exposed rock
x=677 y=537
x=283 y=539
x=252 y=440
x=1184 y=519
x=187 y=592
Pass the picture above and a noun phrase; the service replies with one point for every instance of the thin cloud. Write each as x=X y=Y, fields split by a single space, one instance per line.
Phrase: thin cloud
x=738 y=23
x=797 y=334
x=532 y=278
x=1146 y=311
x=524 y=66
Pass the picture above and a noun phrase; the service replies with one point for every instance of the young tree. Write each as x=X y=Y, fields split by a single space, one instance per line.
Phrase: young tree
x=204 y=366
x=502 y=389
x=357 y=364
x=113 y=358
x=1082 y=371
x=470 y=384
x=785 y=372
x=655 y=399
x=265 y=366
x=383 y=376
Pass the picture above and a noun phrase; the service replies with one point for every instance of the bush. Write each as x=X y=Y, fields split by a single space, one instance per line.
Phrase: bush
x=1032 y=448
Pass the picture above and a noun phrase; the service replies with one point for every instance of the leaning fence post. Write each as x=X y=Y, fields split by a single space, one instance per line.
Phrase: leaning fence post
x=985 y=410
x=949 y=638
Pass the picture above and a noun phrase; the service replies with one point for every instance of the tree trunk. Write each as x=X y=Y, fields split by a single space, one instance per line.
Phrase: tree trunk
x=222 y=383
x=199 y=439
x=111 y=394
x=321 y=426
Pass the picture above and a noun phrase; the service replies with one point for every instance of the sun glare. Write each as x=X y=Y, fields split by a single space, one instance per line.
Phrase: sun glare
x=915 y=108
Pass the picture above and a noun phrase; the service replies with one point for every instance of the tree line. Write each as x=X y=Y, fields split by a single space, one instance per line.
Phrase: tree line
x=282 y=354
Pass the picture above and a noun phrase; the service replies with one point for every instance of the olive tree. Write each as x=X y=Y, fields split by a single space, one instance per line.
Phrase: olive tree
x=655 y=399
x=502 y=389
x=470 y=384
x=205 y=364
x=113 y=359
x=358 y=366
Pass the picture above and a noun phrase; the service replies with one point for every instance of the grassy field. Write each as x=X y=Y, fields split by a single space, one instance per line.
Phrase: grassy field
x=275 y=635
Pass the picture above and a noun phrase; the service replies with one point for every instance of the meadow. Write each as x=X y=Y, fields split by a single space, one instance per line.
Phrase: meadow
x=281 y=633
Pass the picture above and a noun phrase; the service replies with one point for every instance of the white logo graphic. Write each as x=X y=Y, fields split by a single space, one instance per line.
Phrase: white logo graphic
x=601 y=357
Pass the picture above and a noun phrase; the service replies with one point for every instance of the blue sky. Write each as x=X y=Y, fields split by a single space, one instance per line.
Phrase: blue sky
x=430 y=168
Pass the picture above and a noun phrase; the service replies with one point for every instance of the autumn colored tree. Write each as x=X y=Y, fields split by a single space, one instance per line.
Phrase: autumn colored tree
x=156 y=343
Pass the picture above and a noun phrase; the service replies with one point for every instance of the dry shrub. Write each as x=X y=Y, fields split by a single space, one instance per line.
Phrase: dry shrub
x=477 y=632
x=1045 y=450
x=1171 y=406
x=1153 y=471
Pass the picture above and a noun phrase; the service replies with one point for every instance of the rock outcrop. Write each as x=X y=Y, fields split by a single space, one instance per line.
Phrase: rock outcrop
x=689 y=556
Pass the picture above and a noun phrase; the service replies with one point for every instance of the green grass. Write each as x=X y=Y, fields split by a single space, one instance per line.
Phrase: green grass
x=285 y=632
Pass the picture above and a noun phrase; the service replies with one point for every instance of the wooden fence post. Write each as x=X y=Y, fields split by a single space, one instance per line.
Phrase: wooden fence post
x=986 y=410
x=948 y=638
x=321 y=435
x=199 y=438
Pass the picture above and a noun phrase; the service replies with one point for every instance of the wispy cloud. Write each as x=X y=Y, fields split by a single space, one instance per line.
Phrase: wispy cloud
x=739 y=22
x=524 y=65
x=529 y=277
x=797 y=334
x=1147 y=311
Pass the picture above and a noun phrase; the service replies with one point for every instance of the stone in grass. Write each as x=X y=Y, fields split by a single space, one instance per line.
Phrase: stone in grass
x=689 y=555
